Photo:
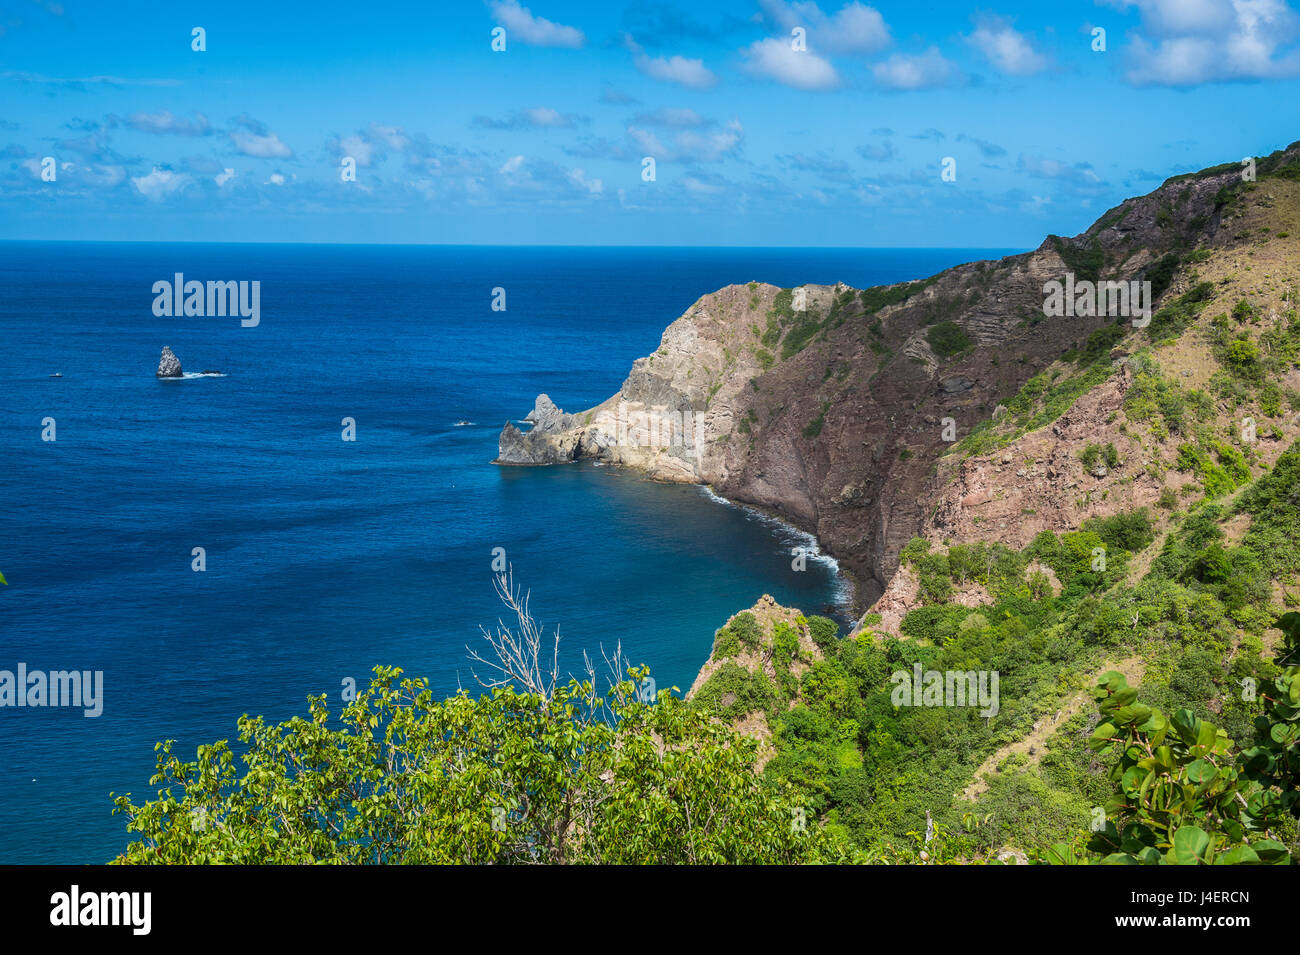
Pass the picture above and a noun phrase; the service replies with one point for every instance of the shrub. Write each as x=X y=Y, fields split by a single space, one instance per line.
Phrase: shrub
x=823 y=631
x=1132 y=531
x=741 y=633
x=1242 y=357
x=947 y=338
x=398 y=777
x=1094 y=454
x=1161 y=273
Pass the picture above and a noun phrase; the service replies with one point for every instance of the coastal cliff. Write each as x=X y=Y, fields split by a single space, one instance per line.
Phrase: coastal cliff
x=1125 y=521
x=833 y=407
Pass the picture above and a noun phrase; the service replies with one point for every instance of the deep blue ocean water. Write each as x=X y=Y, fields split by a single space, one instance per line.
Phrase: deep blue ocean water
x=326 y=557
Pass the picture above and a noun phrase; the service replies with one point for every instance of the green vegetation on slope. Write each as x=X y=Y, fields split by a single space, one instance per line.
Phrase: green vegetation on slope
x=1197 y=619
x=572 y=776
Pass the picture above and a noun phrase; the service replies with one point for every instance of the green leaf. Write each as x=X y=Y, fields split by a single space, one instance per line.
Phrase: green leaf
x=1289 y=623
x=1133 y=779
x=1206 y=734
x=1133 y=713
x=1061 y=854
x=1241 y=855
x=1271 y=852
x=1190 y=845
x=1102 y=736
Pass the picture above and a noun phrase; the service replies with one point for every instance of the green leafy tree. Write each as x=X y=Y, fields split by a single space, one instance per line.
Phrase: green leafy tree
x=508 y=777
x=1275 y=757
x=1182 y=796
x=529 y=772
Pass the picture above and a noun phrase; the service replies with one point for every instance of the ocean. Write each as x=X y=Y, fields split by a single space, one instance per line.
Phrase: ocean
x=324 y=557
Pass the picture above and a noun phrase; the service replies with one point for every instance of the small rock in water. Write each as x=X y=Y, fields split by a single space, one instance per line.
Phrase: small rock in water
x=169 y=366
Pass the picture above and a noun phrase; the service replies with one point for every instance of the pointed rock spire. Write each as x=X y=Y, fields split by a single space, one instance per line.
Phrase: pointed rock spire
x=169 y=366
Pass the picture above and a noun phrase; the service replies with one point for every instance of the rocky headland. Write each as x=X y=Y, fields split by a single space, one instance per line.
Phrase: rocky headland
x=837 y=408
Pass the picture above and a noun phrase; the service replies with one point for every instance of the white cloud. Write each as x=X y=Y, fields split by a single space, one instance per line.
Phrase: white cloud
x=522 y=25
x=80 y=82
x=692 y=74
x=393 y=136
x=580 y=181
x=710 y=146
x=164 y=123
x=1076 y=174
x=266 y=146
x=775 y=59
x=512 y=165
x=989 y=150
x=276 y=179
x=89 y=174
x=701 y=187
x=674 y=118
x=868 y=193
x=854 y=28
x=904 y=71
x=547 y=117
x=882 y=153
x=1009 y=51
x=539 y=117
x=107 y=175
x=224 y=176
x=691 y=145
x=358 y=147
x=1204 y=41
x=1178 y=17
x=160 y=183
x=646 y=141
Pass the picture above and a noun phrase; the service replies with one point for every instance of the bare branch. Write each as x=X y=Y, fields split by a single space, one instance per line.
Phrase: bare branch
x=517 y=655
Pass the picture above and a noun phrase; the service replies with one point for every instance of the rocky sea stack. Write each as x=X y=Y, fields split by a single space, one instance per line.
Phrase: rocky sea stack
x=551 y=439
x=169 y=366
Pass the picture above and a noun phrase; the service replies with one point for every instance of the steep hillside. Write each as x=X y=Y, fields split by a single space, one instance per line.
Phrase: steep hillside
x=1187 y=409
x=837 y=407
x=1117 y=502
x=1190 y=616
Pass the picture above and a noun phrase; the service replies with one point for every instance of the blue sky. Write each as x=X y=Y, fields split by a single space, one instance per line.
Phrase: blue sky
x=755 y=142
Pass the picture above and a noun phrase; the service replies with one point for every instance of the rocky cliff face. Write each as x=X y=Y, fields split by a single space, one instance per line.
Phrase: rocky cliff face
x=169 y=366
x=834 y=406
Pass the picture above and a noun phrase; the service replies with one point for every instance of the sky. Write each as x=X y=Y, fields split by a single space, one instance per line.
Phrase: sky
x=769 y=123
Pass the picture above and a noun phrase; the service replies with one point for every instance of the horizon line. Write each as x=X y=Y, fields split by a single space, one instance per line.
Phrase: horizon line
x=522 y=245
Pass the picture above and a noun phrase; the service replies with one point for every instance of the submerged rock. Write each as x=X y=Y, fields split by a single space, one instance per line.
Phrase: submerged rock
x=169 y=366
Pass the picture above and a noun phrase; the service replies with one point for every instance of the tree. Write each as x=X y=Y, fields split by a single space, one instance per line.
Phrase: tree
x=508 y=777
x=1182 y=796
x=564 y=775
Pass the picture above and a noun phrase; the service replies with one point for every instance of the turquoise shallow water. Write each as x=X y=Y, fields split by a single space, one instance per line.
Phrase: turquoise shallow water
x=325 y=557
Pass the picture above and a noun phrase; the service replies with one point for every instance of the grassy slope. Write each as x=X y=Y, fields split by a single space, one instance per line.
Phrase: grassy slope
x=1186 y=603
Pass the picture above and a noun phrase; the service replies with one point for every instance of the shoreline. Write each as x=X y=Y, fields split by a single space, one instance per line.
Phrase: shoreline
x=846 y=599
x=844 y=607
